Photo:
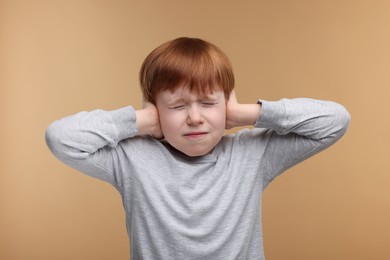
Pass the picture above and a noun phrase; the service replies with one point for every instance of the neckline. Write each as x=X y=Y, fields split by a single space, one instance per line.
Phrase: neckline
x=207 y=158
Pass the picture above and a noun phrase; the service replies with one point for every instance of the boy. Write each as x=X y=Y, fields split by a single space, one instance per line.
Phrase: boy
x=189 y=192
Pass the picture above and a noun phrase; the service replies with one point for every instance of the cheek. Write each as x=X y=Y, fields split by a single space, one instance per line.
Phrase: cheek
x=169 y=124
x=219 y=117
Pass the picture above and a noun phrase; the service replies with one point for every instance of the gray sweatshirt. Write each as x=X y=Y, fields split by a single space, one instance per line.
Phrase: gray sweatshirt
x=208 y=207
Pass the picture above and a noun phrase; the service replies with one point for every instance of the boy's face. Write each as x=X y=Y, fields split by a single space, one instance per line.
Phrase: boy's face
x=191 y=123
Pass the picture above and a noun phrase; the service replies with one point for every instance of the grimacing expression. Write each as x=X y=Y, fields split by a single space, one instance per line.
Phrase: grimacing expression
x=192 y=123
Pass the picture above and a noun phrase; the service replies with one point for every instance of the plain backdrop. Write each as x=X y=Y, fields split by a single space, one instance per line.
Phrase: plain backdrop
x=58 y=57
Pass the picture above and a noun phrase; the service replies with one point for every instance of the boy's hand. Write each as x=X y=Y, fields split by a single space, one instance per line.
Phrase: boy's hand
x=231 y=107
x=148 y=121
x=240 y=114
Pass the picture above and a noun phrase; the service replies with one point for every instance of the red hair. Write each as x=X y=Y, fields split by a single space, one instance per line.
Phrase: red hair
x=188 y=62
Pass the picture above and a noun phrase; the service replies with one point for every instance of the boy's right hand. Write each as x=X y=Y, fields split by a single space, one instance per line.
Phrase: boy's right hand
x=148 y=122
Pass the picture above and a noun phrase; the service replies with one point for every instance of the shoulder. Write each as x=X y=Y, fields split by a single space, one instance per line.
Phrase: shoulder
x=248 y=136
x=142 y=144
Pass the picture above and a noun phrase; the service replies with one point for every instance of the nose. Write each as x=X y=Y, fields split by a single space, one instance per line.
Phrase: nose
x=194 y=116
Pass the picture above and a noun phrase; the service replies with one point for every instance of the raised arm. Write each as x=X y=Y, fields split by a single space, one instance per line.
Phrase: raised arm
x=295 y=129
x=315 y=119
x=86 y=141
x=299 y=128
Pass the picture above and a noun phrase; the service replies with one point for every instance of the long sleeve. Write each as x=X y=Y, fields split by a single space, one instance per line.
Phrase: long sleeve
x=85 y=140
x=300 y=128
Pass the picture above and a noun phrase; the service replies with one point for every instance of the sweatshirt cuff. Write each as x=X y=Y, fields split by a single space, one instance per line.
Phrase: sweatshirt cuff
x=272 y=115
x=124 y=122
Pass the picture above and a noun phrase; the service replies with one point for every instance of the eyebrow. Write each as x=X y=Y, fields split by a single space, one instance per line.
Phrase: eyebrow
x=184 y=100
x=176 y=100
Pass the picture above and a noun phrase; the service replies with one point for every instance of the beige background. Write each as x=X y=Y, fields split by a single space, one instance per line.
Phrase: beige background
x=60 y=57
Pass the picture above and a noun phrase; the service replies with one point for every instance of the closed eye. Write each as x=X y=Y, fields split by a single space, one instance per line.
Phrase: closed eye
x=177 y=107
x=209 y=103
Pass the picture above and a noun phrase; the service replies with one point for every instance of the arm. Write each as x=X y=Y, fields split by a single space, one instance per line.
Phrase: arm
x=314 y=119
x=86 y=141
x=296 y=129
x=300 y=128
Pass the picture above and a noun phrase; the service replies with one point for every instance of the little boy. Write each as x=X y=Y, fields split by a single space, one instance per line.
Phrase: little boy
x=188 y=190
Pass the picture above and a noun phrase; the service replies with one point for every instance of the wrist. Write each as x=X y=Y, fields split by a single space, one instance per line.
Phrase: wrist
x=243 y=115
x=147 y=121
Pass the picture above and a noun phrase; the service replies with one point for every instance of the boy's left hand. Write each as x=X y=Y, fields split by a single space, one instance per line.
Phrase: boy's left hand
x=240 y=114
x=231 y=107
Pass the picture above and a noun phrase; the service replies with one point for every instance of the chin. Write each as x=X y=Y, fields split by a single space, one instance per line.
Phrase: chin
x=195 y=154
x=192 y=150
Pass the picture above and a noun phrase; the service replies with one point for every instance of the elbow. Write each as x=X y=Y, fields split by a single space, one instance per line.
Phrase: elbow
x=343 y=119
x=51 y=136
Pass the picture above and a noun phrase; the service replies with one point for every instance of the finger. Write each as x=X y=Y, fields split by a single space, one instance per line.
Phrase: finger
x=233 y=97
x=146 y=104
